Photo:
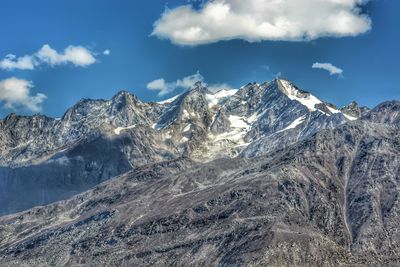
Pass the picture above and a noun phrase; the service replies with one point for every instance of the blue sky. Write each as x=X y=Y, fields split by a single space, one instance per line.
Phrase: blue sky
x=369 y=57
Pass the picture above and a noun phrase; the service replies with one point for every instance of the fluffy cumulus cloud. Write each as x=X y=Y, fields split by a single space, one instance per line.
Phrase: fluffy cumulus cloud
x=333 y=70
x=257 y=20
x=185 y=83
x=11 y=62
x=16 y=93
x=75 y=55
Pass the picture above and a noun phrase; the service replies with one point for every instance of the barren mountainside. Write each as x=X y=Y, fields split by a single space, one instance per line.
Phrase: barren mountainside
x=330 y=200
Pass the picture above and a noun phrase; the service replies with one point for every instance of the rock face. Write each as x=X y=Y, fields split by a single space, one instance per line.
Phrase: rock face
x=387 y=112
x=43 y=160
x=354 y=110
x=329 y=200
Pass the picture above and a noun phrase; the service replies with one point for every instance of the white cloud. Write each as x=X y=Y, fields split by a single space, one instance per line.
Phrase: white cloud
x=15 y=93
x=257 y=20
x=106 y=52
x=75 y=55
x=11 y=62
x=333 y=70
x=165 y=88
x=184 y=83
x=158 y=85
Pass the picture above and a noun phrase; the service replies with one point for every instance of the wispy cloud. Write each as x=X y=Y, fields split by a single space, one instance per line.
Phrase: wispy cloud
x=107 y=52
x=185 y=83
x=16 y=93
x=165 y=88
x=255 y=20
x=333 y=70
x=75 y=55
x=265 y=67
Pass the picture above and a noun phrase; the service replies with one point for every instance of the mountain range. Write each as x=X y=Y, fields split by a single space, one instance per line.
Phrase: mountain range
x=264 y=175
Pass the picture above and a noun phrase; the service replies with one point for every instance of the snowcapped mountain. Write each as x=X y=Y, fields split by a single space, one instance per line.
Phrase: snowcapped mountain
x=193 y=122
x=103 y=138
x=264 y=175
x=208 y=125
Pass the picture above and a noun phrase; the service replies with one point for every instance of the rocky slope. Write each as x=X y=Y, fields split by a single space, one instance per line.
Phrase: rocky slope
x=329 y=200
x=44 y=159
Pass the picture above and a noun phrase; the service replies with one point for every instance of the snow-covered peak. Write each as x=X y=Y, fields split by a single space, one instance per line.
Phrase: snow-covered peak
x=293 y=93
x=308 y=100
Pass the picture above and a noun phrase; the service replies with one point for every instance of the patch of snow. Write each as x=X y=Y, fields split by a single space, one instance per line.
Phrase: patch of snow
x=238 y=122
x=351 y=118
x=309 y=101
x=184 y=139
x=239 y=128
x=216 y=98
x=294 y=124
x=118 y=130
x=187 y=128
x=255 y=116
x=334 y=111
x=169 y=101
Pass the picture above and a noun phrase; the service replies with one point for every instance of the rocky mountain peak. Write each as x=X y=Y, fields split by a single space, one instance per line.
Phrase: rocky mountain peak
x=10 y=119
x=189 y=106
x=353 y=104
x=303 y=97
x=124 y=100
x=198 y=87
x=83 y=108
x=354 y=110
x=386 y=112
x=124 y=96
